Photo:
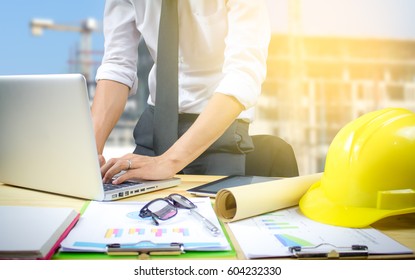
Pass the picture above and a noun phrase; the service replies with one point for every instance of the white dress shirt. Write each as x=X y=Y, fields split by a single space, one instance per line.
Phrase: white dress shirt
x=223 y=47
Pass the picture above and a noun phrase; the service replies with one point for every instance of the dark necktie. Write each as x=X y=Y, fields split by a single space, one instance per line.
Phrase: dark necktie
x=166 y=104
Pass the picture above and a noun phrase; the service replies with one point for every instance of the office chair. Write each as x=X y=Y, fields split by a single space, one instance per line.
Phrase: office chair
x=272 y=157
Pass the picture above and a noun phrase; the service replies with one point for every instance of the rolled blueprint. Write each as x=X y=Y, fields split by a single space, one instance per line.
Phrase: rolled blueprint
x=246 y=201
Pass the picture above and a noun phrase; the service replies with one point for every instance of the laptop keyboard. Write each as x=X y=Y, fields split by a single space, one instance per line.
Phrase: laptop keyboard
x=109 y=186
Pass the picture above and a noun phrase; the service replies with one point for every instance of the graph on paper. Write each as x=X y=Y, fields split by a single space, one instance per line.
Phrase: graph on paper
x=123 y=225
x=271 y=235
x=155 y=232
x=284 y=229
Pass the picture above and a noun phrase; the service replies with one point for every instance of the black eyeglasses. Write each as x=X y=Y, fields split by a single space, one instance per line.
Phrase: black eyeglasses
x=166 y=208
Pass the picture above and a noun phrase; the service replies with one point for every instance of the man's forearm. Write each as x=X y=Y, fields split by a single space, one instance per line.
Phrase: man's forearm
x=218 y=115
x=108 y=106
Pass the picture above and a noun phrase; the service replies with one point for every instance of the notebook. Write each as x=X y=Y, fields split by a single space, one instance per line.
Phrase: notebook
x=47 y=141
x=33 y=232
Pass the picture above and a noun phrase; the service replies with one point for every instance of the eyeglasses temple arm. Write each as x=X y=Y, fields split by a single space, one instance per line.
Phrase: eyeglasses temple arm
x=154 y=220
x=208 y=224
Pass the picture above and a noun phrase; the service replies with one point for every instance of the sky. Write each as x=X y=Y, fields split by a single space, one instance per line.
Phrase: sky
x=23 y=53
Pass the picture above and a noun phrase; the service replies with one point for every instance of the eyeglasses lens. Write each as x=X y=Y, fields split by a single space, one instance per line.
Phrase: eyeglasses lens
x=181 y=202
x=162 y=209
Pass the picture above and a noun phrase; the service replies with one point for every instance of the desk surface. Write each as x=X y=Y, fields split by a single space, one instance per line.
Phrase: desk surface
x=401 y=228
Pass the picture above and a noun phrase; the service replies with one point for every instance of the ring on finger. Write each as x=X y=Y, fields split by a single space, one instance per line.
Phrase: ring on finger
x=129 y=164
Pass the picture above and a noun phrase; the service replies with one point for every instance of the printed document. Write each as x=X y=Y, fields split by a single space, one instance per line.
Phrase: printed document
x=272 y=234
x=105 y=223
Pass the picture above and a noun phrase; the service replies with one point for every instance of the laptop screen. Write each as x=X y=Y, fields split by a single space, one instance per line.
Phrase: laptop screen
x=46 y=140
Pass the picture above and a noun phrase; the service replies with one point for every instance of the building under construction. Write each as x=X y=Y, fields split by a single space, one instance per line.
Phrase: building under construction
x=315 y=85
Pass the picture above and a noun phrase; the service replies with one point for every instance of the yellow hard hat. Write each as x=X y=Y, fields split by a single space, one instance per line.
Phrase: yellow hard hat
x=369 y=172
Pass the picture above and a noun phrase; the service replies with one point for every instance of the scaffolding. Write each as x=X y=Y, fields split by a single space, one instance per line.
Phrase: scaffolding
x=342 y=78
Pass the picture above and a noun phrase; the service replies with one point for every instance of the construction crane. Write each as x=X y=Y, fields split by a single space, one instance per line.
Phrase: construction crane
x=86 y=28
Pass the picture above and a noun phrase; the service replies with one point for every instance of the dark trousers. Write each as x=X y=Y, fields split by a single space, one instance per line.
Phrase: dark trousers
x=224 y=157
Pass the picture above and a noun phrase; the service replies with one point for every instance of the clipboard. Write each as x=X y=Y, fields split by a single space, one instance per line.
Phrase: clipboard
x=329 y=251
x=145 y=247
x=288 y=233
x=130 y=244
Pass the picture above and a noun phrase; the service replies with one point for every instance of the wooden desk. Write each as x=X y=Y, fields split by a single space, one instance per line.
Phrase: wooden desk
x=400 y=228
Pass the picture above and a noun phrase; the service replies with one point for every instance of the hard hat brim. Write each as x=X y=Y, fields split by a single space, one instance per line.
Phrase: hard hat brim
x=315 y=205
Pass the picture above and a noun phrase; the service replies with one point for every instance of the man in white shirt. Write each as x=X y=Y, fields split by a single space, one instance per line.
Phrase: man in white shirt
x=223 y=46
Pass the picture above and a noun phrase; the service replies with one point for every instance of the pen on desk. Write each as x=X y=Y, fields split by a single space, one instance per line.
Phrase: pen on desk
x=208 y=224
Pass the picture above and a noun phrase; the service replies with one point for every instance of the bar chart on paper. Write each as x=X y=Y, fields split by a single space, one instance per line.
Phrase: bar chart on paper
x=123 y=225
x=276 y=232
x=114 y=233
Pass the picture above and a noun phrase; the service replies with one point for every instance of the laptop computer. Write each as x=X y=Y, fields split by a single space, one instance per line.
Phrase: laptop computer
x=47 y=141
